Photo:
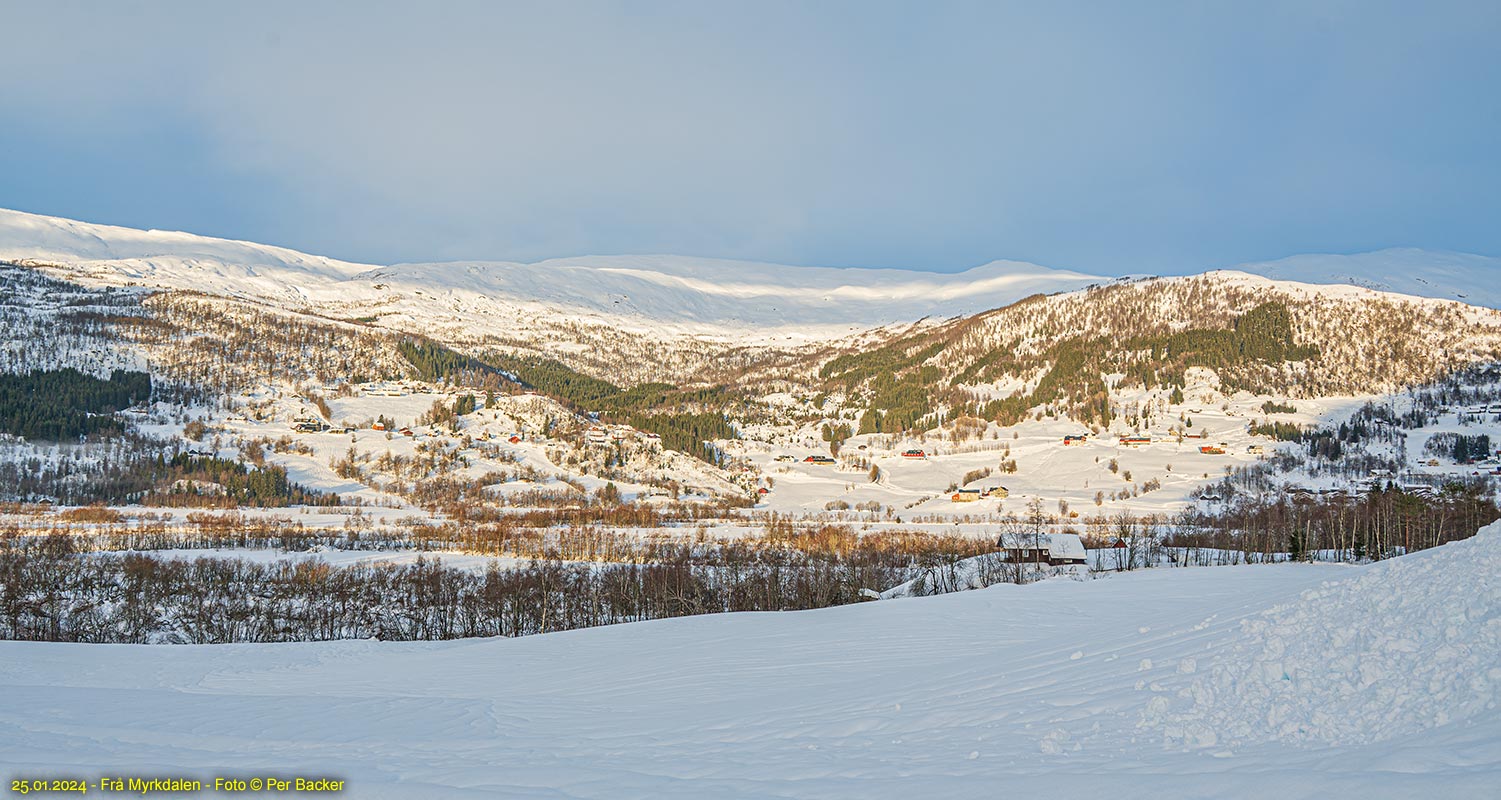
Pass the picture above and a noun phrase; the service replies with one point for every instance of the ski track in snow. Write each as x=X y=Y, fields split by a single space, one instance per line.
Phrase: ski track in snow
x=1055 y=688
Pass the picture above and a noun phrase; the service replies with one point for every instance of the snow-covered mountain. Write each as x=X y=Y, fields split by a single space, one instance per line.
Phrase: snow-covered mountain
x=666 y=287
x=679 y=293
x=717 y=291
x=167 y=258
x=675 y=290
x=1444 y=275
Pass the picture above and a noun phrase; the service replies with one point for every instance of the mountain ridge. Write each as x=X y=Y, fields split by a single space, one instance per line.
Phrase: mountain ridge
x=693 y=293
x=672 y=289
x=1440 y=274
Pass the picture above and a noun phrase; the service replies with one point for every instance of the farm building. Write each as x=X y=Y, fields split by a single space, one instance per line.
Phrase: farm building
x=1075 y=438
x=1054 y=549
x=990 y=487
x=385 y=390
x=309 y=425
x=914 y=454
x=1135 y=441
x=966 y=496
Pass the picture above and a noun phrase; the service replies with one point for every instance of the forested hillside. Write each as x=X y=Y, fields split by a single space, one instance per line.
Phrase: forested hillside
x=64 y=404
x=1073 y=353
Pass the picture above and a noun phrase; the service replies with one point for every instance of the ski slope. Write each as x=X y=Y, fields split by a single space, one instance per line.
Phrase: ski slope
x=1064 y=689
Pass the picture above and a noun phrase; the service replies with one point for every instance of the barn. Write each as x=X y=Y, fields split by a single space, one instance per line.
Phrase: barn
x=1053 y=549
x=990 y=487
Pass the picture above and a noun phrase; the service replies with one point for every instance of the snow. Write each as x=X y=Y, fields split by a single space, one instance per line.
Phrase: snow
x=1047 y=469
x=125 y=256
x=1423 y=273
x=1061 y=688
x=1065 y=545
x=742 y=293
x=1294 y=680
x=338 y=558
x=1411 y=644
x=682 y=293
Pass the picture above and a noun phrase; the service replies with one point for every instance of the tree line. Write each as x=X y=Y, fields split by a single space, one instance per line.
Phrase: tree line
x=1381 y=523
x=130 y=468
x=51 y=591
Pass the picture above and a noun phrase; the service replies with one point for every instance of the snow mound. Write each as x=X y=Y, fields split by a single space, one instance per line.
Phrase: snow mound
x=1410 y=644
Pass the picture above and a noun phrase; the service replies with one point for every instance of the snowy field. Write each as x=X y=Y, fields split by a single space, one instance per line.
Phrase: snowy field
x=1293 y=681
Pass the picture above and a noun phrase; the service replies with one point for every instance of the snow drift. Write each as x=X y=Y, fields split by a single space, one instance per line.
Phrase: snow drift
x=1409 y=644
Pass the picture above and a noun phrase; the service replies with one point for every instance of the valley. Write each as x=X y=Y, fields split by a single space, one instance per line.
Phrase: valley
x=214 y=445
x=750 y=401
x=1133 y=410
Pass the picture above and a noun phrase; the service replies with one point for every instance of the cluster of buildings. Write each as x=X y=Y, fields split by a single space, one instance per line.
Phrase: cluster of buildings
x=395 y=389
x=976 y=494
x=606 y=434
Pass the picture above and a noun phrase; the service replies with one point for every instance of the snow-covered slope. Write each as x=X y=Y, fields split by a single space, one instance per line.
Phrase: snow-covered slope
x=1409 y=645
x=1471 y=279
x=1063 y=689
x=666 y=289
x=168 y=259
x=703 y=290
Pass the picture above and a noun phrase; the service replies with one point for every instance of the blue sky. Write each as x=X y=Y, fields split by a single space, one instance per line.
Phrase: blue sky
x=1111 y=137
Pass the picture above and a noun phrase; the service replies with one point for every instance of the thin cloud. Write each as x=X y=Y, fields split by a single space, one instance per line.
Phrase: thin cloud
x=922 y=135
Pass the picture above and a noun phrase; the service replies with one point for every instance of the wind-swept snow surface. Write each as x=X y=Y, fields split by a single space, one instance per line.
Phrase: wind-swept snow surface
x=1058 y=689
x=1411 y=644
